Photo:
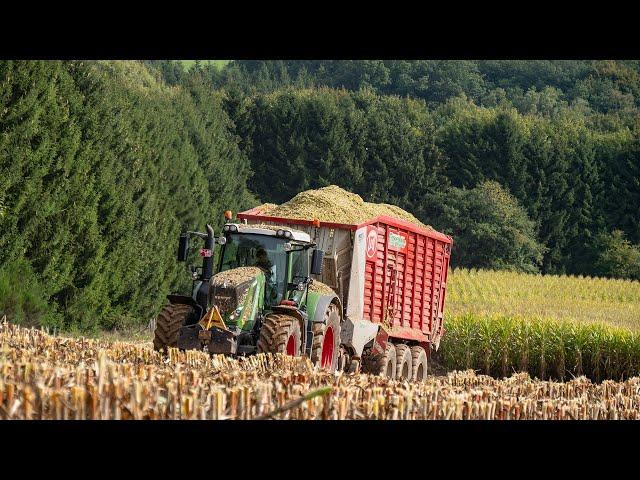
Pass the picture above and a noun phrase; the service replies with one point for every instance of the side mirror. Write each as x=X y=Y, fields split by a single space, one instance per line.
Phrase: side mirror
x=183 y=247
x=316 y=261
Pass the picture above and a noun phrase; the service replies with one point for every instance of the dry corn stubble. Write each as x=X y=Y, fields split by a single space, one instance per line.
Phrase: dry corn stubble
x=46 y=377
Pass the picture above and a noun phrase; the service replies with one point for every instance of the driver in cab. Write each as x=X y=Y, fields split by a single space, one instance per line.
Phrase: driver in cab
x=263 y=262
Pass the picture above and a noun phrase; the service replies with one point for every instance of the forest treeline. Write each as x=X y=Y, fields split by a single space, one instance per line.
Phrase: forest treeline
x=103 y=165
x=530 y=165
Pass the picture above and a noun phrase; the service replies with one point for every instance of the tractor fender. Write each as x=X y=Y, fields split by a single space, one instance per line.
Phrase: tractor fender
x=323 y=304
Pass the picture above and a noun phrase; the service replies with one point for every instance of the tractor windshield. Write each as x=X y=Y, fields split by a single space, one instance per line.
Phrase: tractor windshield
x=264 y=251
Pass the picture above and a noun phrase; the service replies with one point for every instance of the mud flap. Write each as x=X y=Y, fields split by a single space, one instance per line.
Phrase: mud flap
x=215 y=340
x=356 y=334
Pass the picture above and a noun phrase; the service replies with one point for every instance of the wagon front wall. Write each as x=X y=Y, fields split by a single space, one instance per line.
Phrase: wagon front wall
x=405 y=280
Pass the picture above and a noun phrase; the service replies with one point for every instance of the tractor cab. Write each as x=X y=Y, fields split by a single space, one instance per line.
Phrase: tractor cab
x=283 y=255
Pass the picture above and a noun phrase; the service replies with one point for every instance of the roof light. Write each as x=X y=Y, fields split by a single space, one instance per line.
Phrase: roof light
x=228 y=214
x=316 y=222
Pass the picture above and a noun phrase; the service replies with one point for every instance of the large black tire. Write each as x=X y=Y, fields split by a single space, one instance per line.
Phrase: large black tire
x=419 y=362
x=326 y=340
x=280 y=333
x=403 y=362
x=383 y=365
x=168 y=323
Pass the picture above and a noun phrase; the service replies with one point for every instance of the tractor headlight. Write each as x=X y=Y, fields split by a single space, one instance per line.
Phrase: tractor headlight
x=284 y=233
x=230 y=228
x=222 y=240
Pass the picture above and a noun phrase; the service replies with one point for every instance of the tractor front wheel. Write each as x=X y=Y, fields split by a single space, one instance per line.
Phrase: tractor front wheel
x=326 y=340
x=280 y=334
x=168 y=323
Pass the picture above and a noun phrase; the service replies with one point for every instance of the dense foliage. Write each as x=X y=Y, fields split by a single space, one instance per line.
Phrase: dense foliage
x=102 y=166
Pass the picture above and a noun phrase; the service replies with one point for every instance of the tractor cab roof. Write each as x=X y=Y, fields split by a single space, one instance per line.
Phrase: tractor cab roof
x=271 y=230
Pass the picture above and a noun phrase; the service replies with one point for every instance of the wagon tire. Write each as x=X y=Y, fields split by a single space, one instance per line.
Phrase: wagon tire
x=325 y=349
x=383 y=365
x=280 y=333
x=403 y=363
x=419 y=363
x=168 y=324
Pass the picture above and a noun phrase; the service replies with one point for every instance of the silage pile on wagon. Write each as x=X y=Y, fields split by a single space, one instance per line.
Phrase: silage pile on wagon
x=336 y=205
x=47 y=377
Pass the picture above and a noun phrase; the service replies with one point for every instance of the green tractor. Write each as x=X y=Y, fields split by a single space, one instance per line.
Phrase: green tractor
x=259 y=300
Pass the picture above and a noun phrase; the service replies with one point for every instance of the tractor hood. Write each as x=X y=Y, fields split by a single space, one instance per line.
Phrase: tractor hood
x=239 y=295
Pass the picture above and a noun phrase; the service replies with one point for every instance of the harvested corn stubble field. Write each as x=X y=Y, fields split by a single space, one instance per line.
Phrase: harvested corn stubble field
x=47 y=377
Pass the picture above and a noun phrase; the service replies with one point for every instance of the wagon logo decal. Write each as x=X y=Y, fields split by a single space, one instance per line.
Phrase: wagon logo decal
x=372 y=244
x=397 y=241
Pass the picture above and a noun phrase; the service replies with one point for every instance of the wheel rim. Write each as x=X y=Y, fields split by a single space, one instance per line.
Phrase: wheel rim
x=327 y=349
x=291 y=346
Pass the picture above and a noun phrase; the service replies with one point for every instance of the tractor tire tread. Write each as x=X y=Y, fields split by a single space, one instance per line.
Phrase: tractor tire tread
x=168 y=324
x=275 y=331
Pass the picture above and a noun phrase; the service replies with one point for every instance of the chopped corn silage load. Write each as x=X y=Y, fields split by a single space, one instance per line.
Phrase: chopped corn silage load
x=336 y=205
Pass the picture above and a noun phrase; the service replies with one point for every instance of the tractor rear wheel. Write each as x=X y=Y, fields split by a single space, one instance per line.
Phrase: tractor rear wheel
x=280 y=333
x=403 y=362
x=168 y=323
x=384 y=365
x=326 y=340
x=419 y=363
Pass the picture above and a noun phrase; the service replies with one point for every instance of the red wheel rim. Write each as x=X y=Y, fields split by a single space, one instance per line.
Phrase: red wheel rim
x=327 y=349
x=291 y=346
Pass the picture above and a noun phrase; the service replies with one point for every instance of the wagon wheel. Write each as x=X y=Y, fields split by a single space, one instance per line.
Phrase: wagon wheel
x=419 y=363
x=403 y=363
x=384 y=365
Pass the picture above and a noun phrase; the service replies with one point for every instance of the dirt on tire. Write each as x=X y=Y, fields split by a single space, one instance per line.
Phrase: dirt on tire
x=168 y=323
x=384 y=365
x=276 y=332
